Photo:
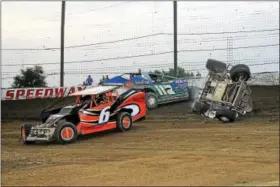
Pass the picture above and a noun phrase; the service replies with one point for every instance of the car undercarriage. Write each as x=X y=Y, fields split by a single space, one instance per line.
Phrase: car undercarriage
x=225 y=93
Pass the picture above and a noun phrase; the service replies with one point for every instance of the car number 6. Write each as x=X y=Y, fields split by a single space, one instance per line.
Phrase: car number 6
x=104 y=115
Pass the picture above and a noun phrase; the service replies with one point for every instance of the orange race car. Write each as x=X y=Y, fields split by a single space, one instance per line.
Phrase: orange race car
x=96 y=109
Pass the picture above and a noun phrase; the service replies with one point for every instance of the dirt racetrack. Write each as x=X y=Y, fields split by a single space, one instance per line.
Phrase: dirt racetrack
x=171 y=147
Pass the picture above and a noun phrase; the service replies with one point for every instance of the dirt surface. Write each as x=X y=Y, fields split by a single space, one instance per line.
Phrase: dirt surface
x=171 y=147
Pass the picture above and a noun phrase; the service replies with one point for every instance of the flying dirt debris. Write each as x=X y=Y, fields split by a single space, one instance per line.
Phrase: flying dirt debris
x=225 y=93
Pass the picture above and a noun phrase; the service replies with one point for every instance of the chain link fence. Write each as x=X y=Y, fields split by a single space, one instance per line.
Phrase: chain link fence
x=139 y=35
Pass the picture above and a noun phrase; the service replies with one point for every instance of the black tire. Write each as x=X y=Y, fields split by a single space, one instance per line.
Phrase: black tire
x=240 y=70
x=216 y=66
x=120 y=121
x=25 y=131
x=149 y=98
x=226 y=115
x=198 y=107
x=59 y=134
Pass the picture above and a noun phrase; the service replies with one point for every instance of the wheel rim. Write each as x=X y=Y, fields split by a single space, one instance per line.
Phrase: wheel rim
x=241 y=76
x=212 y=114
x=151 y=100
x=67 y=133
x=224 y=119
x=126 y=122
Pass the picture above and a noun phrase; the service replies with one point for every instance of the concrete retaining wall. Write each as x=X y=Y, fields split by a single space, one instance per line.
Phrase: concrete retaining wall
x=30 y=109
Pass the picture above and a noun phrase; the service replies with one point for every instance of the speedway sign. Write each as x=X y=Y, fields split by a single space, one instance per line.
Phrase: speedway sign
x=42 y=93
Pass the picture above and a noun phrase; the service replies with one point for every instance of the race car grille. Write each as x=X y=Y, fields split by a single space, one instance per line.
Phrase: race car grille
x=39 y=132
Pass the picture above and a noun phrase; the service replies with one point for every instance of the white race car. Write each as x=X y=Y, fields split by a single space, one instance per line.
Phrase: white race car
x=225 y=94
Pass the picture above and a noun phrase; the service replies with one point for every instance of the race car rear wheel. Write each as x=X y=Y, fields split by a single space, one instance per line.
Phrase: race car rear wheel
x=240 y=71
x=226 y=115
x=216 y=66
x=25 y=131
x=124 y=122
x=66 y=132
x=151 y=100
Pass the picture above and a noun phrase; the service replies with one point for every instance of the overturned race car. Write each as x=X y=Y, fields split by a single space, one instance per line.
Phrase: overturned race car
x=96 y=109
x=225 y=94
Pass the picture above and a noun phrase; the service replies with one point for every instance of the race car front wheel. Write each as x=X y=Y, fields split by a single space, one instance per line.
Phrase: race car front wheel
x=25 y=130
x=124 y=122
x=66 y=132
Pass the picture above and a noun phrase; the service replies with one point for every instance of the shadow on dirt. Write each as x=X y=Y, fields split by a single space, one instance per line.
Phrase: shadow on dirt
x=183 y=105
x=109 y=133
x=92 y=136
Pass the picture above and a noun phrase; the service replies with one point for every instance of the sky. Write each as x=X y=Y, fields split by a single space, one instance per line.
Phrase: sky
x=217 y=30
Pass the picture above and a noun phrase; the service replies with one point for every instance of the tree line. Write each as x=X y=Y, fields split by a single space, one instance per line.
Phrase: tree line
x=35 y=77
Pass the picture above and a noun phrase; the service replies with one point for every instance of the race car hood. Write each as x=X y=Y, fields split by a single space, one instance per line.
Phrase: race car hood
x=52 y=119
